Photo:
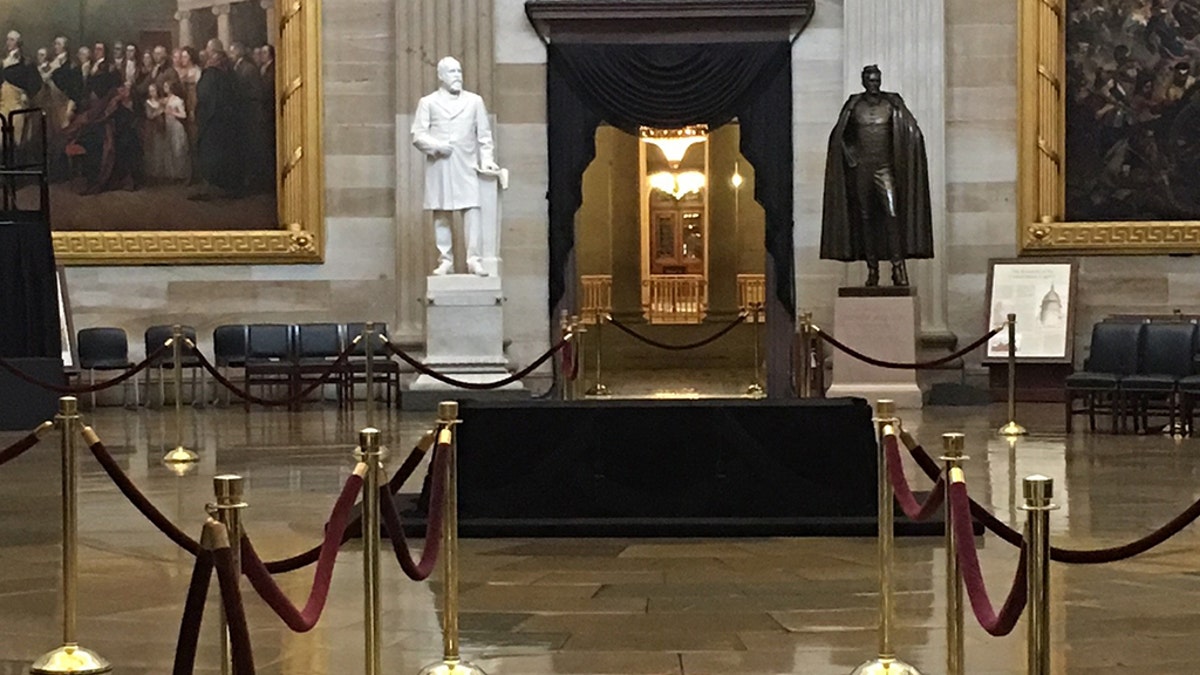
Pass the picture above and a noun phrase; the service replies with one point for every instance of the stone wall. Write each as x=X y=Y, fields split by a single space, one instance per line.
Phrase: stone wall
x=379 y=61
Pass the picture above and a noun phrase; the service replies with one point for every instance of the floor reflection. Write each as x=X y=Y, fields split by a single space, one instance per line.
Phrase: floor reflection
x=598 y=606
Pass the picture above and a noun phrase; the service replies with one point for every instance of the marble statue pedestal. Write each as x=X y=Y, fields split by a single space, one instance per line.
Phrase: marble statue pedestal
x=464 y=332
x=882 y=322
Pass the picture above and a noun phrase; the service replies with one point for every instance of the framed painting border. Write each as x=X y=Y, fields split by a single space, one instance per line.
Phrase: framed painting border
x=300 y=237
x=1041 y=153
x=1069 y=347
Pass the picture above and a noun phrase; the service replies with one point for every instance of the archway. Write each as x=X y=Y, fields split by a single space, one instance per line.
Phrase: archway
x=700 y=62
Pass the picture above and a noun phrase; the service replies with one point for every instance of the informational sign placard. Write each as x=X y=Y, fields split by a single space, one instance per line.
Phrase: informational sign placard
x=1041 y=294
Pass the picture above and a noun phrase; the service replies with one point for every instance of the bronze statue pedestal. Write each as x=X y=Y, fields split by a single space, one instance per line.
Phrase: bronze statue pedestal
x=882 y=322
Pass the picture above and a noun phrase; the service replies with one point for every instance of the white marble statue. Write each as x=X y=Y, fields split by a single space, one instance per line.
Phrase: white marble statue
x=452 y=130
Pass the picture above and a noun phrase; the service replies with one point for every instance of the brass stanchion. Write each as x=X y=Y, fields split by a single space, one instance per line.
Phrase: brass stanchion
x=806 y=360
x=599 y=389
x=370 y=452
x=179 y=454
x=1012 y=428
x=368 y=337
x=756 y=389
x=578 y=330
x=886 y=424
x=564 y=382
x=1038 y=490
x=451 y=663
x=228 y=489
x=70 y=657
x=952 y=455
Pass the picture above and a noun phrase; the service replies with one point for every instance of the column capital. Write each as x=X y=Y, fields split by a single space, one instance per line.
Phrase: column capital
x=221 y=10
x=268 y=5
x=183 y=15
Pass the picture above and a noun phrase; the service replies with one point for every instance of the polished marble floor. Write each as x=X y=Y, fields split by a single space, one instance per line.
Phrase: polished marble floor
x=599 y=606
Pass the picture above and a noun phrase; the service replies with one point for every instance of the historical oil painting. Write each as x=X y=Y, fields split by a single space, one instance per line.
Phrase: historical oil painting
x=1132 y=110
x=160 y=113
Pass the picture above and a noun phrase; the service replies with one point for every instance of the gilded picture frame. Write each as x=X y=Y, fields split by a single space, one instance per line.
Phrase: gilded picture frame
x=1043 y=90
x=300 y=235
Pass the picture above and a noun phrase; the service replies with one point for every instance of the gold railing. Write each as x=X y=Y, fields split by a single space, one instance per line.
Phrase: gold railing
x=752 y=294
x=595 y=298
x=675 y=299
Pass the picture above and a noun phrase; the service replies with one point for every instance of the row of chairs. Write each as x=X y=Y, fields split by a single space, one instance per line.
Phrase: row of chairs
x=270 y=355
x=1135 y=369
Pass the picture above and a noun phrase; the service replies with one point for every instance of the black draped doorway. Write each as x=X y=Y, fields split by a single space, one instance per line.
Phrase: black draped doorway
x=671 y=85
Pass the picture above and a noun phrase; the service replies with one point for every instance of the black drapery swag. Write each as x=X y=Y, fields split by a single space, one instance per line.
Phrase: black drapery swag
x=667 y=86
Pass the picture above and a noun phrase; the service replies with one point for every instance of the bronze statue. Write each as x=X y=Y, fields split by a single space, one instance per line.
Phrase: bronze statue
x=876 y=184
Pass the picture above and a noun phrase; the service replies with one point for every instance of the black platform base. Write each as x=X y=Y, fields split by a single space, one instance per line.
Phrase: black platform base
x=23 y=406
x=669 y=468
x=492 y=528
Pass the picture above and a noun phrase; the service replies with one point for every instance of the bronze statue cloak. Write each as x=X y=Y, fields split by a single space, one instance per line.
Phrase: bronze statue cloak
x=841 y=234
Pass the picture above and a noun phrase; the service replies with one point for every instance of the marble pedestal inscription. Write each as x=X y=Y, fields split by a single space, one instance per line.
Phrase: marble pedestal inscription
x=882 y=327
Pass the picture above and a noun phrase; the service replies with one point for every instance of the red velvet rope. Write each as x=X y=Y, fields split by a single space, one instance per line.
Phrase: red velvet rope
x=997 y=624
x=919 y=365
x=354 y=528
x=915 y=510
x=419 y=571
x=1063 y=555
x=140 y=501
x=235 y=614
x=19 y=448
x=302 y=621
x=678 y=348
x=476 y=386
x=89 y=389
x=570 y=362
x=333 y=370
x=193 y=615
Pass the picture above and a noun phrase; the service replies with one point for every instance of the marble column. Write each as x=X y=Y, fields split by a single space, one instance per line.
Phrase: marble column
x=184 y=17
x=224 y=33
x=272 y=20
x=426 y=31
x=908 y=41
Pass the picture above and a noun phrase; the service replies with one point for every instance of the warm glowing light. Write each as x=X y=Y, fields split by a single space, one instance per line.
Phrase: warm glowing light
x=678 y=185
x=674 y=143
x=675 y=148
x=736 y=180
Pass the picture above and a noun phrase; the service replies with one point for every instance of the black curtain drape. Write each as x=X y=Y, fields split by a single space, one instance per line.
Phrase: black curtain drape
x=669 y=86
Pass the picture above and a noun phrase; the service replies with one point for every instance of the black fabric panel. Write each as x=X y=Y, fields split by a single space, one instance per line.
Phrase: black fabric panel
x=23 y=406
x=667 y=459
x=766 y=142
x=572 y=144
x=28 y=304
x=669 y=86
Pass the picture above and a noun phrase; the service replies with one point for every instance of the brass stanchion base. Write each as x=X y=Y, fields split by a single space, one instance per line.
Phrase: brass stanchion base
x=180 y=469
x=755 y=390
x=71 y=659
x=598 y=390
x=180 y=455
x=451 y=668
x=1012 y=429
x=885 y=667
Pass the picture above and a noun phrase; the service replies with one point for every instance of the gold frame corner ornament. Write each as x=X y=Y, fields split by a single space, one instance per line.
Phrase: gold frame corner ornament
x=1041 y=153
x=300 y=237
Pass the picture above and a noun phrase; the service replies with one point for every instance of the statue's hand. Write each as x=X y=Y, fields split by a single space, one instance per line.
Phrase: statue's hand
x=489 y=166
x=444 y=150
